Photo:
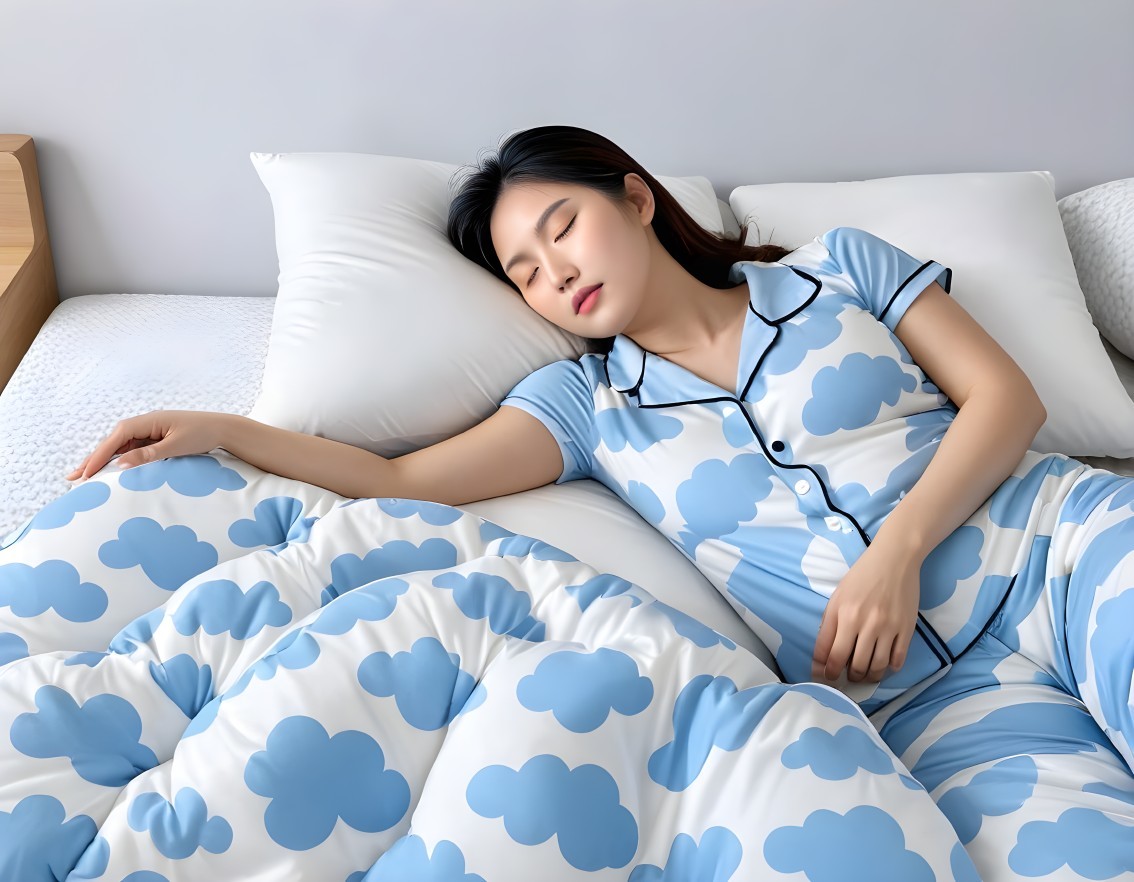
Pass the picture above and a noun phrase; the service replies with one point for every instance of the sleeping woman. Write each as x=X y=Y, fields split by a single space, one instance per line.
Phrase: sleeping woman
x=842 y=451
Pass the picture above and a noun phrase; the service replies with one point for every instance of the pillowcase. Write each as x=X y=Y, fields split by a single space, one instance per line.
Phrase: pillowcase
x=1002 y=235
x=1099 y=223
x=384 y=336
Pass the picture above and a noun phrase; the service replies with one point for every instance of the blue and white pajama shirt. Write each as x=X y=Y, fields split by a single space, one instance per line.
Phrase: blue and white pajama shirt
x=1014 y=707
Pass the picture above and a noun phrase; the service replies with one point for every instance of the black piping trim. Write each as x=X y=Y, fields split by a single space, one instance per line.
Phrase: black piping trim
x=910 y=278
x=991 y=619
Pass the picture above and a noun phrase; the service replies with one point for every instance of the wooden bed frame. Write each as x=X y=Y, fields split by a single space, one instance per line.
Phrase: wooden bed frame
x=28 y=289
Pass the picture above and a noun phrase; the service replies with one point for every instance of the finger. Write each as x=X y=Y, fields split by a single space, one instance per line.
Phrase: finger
x=901 y=647
x=864 y=648
x=841 y=652
x=79 y=470
x=142 y=454
x=882 y=653
x=824 y=640
x=101 y=455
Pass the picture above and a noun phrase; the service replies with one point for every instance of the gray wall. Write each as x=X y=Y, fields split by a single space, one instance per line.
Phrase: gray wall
x=144 y=113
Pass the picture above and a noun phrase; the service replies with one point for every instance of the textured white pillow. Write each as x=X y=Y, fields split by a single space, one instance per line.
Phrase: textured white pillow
x=1002 y=235
x=1099 y=223
x=384 y=336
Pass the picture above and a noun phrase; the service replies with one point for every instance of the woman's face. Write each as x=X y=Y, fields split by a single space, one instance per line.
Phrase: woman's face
x=585 y=240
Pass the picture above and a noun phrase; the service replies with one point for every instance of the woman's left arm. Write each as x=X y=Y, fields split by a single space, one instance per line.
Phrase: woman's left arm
x=870 y=619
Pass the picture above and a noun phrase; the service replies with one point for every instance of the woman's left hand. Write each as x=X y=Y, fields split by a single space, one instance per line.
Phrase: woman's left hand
x=870 y=618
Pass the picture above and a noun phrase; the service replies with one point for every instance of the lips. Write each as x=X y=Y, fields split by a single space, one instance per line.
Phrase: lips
x=581 y=295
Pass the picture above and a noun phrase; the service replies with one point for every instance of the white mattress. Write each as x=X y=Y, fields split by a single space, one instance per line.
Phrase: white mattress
x=100 y=358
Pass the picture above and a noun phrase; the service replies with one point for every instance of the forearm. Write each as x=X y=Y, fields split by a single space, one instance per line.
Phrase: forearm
x=986 y=441
x=341 y=468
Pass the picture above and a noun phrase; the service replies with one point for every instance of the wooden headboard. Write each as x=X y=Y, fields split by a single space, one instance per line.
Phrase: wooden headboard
x=28 y=291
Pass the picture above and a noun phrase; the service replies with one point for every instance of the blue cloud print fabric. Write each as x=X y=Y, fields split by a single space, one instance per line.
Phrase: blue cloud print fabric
x=212 y=672
x=1015 y=704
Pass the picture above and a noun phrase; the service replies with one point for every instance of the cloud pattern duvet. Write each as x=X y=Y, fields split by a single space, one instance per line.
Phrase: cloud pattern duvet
x=208 y=671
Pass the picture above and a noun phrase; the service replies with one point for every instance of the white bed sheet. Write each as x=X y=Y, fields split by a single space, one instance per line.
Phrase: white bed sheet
x=100 y=358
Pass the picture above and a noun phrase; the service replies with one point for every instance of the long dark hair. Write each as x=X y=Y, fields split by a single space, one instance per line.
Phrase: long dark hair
x=570 y=155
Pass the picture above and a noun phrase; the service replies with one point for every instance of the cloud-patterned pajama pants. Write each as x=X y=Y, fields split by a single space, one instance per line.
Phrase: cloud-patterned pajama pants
x=1027 y=742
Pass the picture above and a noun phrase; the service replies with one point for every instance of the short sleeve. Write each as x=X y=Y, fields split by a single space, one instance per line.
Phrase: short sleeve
x=887 y=278
x=559 y=396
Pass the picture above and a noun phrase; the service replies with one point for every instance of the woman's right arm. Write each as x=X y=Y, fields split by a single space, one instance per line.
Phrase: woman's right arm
x=508 y=452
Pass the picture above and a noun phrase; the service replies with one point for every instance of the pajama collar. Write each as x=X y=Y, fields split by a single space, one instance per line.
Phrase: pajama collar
x=776 y=293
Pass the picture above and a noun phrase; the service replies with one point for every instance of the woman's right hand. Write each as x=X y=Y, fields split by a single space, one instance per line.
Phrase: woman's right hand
x=155 y=435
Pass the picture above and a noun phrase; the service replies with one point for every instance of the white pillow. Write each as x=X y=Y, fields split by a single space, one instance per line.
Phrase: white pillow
x=384 y=336
x=1002 y=235
x=1099 y=223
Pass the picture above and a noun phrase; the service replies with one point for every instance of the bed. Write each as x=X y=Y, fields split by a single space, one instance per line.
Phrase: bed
x=491 y=662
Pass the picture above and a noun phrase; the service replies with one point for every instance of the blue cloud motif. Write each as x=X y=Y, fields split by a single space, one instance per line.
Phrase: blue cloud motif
x=137 y=632
x=435 y=514
x=715 y=860
x=645 y=501
x=218 y=605
x=294 y=650
x=394 y=558
x=144 y=875
x=524 y=546
x=275 y=521
x=962 y=865
x=793 y=341
x=603 y=585
x=734 y=426
x=476 y=699
x=427 y=682
x=1086 y=840
x=188 y=685
x=1122 y=497
x=709 y=712
x=998 y=790
x=956 y=558
x=408 y=858
x=581 y=689
x=192 y=475
x=851 y=395
x=485 y=595
x=93 y=862
x=854 y=847
x=54 y=584
x=832 y=698
x=1111 y=651
x=38 y=841
x=838 y=756
x=313 y=779
x=178 y=830
x=928 y=427
x=100 y=738
x=1011 y=504
x=90 y=659
x=12 y=647
x=169 y=557
x=719 y=496
x=647 y=427
x=60 y=512
x=1126 y=796
x=546 y=798
x=370 y=603
x=490 y=531
x=691 y=629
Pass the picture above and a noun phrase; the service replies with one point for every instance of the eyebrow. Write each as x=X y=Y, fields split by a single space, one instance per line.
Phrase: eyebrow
x=540 y=224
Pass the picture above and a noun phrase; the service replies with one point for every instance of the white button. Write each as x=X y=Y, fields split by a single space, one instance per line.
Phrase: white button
x=834 y=523
x=802 y=487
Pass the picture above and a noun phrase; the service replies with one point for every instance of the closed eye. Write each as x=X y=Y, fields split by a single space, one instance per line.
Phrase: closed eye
x=557 y=238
